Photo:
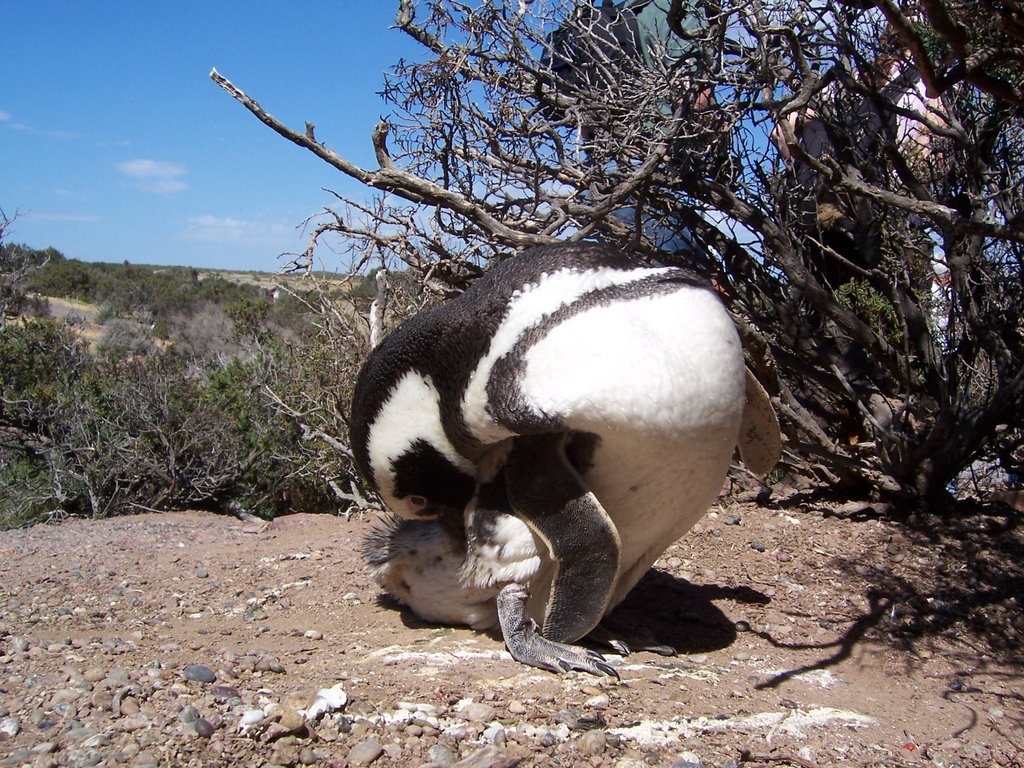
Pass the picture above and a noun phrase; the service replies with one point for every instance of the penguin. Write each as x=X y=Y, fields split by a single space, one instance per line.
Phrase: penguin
x=544 y=437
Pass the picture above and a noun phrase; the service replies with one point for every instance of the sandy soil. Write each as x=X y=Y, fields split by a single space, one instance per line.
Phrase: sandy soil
x=804 y=640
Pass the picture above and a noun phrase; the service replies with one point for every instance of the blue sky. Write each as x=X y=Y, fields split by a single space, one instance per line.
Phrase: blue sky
x=115 y=144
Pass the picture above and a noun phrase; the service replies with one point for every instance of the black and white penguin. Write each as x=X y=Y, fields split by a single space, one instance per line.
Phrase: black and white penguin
x=546 y=436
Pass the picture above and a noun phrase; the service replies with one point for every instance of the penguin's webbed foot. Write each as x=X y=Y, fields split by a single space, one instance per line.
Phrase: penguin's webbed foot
x=527 y=645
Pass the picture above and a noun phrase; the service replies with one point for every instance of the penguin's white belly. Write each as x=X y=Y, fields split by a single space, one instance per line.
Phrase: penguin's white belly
x=655 y=490
x=660 y=380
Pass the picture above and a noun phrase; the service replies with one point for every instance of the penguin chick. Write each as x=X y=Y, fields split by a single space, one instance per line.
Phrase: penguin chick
x=577 y=411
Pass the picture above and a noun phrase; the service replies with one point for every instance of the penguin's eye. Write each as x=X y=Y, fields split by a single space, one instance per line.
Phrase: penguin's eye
x=416 y=506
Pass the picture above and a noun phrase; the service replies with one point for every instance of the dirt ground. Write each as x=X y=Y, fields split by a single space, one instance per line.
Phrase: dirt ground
x=805 y=639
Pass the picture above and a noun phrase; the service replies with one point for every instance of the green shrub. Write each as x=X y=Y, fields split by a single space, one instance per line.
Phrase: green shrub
x=100 y=436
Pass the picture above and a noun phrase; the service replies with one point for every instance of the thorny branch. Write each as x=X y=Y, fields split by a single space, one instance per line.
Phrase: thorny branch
x=850 y=176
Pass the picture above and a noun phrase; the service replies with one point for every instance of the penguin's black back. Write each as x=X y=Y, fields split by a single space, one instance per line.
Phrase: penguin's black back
x=447 y=342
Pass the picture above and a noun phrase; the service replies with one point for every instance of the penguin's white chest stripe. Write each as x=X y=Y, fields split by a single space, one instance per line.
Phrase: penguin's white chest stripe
x=411 y=413
x=528 y=307
x=658 y=364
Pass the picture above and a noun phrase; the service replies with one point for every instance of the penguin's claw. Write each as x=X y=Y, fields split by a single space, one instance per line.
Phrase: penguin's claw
x=625 y=641
x=526 y=644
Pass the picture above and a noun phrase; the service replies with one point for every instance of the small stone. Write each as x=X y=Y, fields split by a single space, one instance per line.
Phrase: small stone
x=592 y=743
x=96 y=740
x=224 y=693
x=250 y=718
x=116 y=678
x=9 y=728
x=199 y=673
x=204 y=727
x=312 y=634
x=269 y=664
x=307 y=756
x=188 y=715
x=146 y=758
x=202 y=573
x=441 y=755
x=365 y=752
x=742 y=626
x=757 y=546
x=495 y=734
x=477 y=712
x=516 y=708
x=288 y=718
x=65 y=696
x=94 y=674
x=129 y=706
x=731 y=520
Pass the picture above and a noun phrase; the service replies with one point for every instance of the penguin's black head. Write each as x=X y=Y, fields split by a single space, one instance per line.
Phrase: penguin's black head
x=429 y=481
x=399 y=441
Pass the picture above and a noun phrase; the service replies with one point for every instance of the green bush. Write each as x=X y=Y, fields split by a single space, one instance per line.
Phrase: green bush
x=100 y=436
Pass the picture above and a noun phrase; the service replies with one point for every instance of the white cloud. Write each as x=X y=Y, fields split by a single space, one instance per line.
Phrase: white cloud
x=159 y=176
x=4 y=116
x=225 y=229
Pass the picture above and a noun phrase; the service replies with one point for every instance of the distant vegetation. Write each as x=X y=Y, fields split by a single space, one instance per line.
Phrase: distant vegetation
x=127 y=388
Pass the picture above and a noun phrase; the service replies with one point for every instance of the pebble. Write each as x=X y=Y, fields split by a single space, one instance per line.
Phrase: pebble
x=441 y=755
x=288 y=718
x=188 y=715
x=365 y=752
x=129 y=706
x=204 y=727
x=146 y=758
x=269 y=664
x=495 y=734
x=224 y=693
x=199 y=673
x=202 y=573
x=94 y=674
x=65 y=696
x=477 y=712
x=757 y=546
x=731 y=520
x=250 y=718
x=96 y=740
x=116 y=678
x=9 y=728
x=327 y=700
x=312 y=634
x=592 y=743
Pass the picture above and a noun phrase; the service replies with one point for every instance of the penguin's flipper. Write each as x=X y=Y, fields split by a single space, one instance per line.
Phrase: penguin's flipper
x=760 y=440
x=527 y=645
x=547 y=493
